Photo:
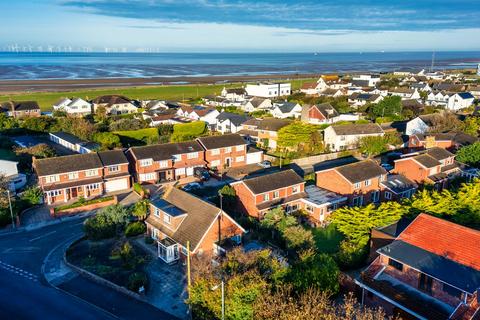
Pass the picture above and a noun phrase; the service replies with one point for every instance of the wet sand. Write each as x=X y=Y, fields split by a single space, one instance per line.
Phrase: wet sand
x=21 y=86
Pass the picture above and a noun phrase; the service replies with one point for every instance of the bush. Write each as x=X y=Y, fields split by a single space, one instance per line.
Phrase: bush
x=135 y=228
x=107 y=223
x=136 y=281
x=32 y=195
x=351 y=256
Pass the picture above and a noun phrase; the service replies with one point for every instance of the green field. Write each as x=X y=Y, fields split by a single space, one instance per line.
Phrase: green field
x=178 y=92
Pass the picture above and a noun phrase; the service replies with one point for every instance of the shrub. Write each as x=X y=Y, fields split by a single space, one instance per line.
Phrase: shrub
x=351 y=255
x=135 y=228
x=136 y=281
x=188 y=131
x=107 y=223
x=32 y=195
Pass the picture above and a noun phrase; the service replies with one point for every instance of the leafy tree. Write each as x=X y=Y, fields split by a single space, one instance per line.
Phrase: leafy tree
x=469 y=154
x=351 y=255
x=140 y=209
x=388 y=107
x=4 y=183
x=100 y=114
x=298 y=238
x=375 y=145
x=277 y=219
x=471 y=126
x=7 y=122
x=423 y=95
x=39 y=124
x=126 y=124
x=295 y=134
x=107 y=223
x=32 y=195
x=107 y=140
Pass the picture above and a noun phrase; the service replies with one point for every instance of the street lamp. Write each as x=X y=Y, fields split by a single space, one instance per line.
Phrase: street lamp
x=11 y=211
x=222 y=286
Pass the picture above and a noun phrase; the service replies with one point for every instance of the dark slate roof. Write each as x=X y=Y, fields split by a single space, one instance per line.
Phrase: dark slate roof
x=238 y=91
x=199 y=217
x=112 y=157
x=57 y=165
x=466 y=95
x=235 y=118
x=111 y=100
x=286 y=107
x=20 y=105
x=327 y=110
x=273 y=181
x=354 y=129
x=398 y=183
x=446 y=270
x=273 y=124
x=167 y=207
x=68 y=137
x=361 y=171
x=360 y=83
x=439 y=153
x=166 y=151
x=429 y=118
x=396 y=228
x=226 y=140
x=257 y=101
x=426 y=160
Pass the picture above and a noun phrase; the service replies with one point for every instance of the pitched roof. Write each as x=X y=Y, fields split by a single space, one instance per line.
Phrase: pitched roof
x=361 y=171
x=238 y=91
x=327 y=110
x=426 y=160
x=111 y=100
x=273 y=124
x=439 y=153
x=159 y=152
x=20 y=105
x=273 y=181
x=466 y=95
x=257 y=101
x=357 y=129
x=112 y=157
x=309 y=85
x=286 y=107
x=235 y=118
x=57 y=165
x=226 y=140
x=460 y=138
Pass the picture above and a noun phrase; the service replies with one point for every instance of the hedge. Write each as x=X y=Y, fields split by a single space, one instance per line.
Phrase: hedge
x=83 y=203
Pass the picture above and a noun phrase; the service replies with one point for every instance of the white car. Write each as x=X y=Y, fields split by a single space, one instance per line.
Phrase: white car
x=265 y=164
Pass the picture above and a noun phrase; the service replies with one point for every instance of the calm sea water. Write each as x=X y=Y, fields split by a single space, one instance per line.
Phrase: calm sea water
x=124 y=65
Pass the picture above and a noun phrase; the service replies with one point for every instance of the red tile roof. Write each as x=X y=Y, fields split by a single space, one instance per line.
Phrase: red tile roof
x=444 y=238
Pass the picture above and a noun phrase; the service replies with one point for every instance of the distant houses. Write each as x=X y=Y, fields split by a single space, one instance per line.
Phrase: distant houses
x=114 y=104
x=268 y=89
x=75 y=107
x=20 y=109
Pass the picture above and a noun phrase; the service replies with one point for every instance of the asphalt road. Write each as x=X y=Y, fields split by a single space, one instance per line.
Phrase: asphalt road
x=26 y=295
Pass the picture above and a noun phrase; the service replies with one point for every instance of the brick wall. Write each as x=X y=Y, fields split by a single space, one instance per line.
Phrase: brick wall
x=412 y=170
x=245 y=200
x=227 y=230
x=234 y=155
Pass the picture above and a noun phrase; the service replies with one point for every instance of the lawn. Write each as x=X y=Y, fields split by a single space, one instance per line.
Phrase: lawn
x=327 y=239
x=175 y=92
x=6 y=154
x=138 y=137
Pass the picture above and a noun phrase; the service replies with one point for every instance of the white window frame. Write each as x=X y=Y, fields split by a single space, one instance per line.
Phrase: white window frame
x=73 y=175
x=215 y=163
x=215 y=152
x=368 y=182
x=192 y=155
x=167 y=219
x=145 y=162
x=276 y=194
x=295 y=189
x=239 y=148
x=240 y=159
x=114 y=168
x=53 y=178
x=266 y=197
x=163 y=164
x=376 y=196
x=91 y=173
x=388 y=195
x=358 y=200
x=177 y=157
x=228 y=149
x=357 y=185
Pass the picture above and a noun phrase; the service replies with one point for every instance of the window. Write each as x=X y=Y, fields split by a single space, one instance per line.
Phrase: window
x=368 y=182
x=166 y=218
x=52 y=179
x=54 y=193
x=295 y=189
x=266 y=197
x=357 y=201
x=357 y=185
x=177 y=157
x=163 y=164
x=388 y=195
x=147 y=176
x=395 y=264
x=239 y=148
x=452 y=291
x=342 y=138
x=214 y=152
x=276 y=194
x=228 y=149
x=73 y=175
x=184 y=250
x=309 y=208
x=146 y=162
x=93 y=186
x=91 y=173
x=192 y=155
x=114 y=168
x=240 y=159
x=156 y=212
x=375 y=196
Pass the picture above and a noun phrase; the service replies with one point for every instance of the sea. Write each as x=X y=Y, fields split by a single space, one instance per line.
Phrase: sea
x=91 y=65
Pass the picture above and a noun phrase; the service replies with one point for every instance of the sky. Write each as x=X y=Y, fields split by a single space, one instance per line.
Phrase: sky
x=242 y=25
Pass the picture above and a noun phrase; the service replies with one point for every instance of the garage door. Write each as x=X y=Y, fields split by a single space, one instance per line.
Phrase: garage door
x=115 y=185
x=189 y=171
x=254 y=157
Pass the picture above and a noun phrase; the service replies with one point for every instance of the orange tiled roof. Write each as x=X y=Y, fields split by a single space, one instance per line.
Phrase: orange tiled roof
x=444 y=238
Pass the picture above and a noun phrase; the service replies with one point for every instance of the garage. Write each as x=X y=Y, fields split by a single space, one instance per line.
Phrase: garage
x=116 y=185
x=189 y=172
x=254 y=156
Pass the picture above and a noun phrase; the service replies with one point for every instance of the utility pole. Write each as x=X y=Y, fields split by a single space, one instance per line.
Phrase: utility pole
x=11 y=211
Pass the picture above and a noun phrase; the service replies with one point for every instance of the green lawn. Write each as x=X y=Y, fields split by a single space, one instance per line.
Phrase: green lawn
x=137 y=137
x=327 y=239
x=175 y=92
x=7 y=155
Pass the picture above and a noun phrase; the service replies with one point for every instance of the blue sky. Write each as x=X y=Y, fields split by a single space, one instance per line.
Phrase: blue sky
x=243 y=25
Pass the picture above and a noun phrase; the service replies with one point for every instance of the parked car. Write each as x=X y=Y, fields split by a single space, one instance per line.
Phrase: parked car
x=387 y=166
x=191 y=186
x=201 y=173
x=265 y=164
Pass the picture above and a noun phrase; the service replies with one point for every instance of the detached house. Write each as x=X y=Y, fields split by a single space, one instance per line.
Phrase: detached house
x=199 y=113
x=448 y=140
x=234 y=94
x=165 y=162
x=75 y=107
x=257 y=103
x=225 y=151
x=360 y=182
x=20 y=109
x=431 y=270
x=286 y=110
x=228 y=122
x=405 y=93
x=263 y=132
x=460 y=101
x=82 y=176
x=114 y=104
x=360 y=99
x=421 y=124
x=178 y=220
x=324 y=113
x=344 y=137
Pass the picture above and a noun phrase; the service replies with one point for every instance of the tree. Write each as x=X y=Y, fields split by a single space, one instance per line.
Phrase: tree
x=41 y=150
x=127 y=124
x=4 y=183
x=107 y=140
x=39 y=124
x=389 y=107
x=106 y=223
x=277 y=219
x=375 y=145
x=296 y=134
x=7 y=122
x=32 y=195
x=100 y=114
x=470 y=154
x=298 y=238
x=471 y=126
x=140 y=209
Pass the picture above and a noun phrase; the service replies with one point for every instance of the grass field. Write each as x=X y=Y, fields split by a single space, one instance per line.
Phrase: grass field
x=178 y=92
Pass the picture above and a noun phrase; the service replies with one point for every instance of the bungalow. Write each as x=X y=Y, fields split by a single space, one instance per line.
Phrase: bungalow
x=344 y=137
x=421 y=124
x=324 y=113
x=199 y=113
x=366 y=80
x=182 y=224
x=82 y=175
x=165 y=162
x=228 y=122
x=257 y=103
x=20 y=109
x=421 y=86
x=330 y=92
x=114 y=104
x=460 y=101
x=286 y=109
x=449 y=140
x=360 y=99
x=72 y=142
x=75 y=107
x=360 y=182
x=431 y=270
x=405 y=93
x=312 y=88
x=225 y=151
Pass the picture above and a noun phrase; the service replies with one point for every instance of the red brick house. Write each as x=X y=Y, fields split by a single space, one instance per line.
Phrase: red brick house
x=360 y=182
x=82 y=176
x=20 y=109
x=434 y=166
x=430 y=271
x=225 y=151
x=178 y=218
x=449 y=140
x=165 y=162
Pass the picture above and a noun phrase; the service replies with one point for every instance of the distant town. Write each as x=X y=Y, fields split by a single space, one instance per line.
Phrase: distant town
x=344 y=196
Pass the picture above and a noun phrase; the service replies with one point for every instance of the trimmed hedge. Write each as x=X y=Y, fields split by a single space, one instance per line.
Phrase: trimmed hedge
x=81 y=203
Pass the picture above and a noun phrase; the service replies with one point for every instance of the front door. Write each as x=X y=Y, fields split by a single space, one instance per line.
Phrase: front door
x=162 y=176
x=228 y=162
x=74 y=192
